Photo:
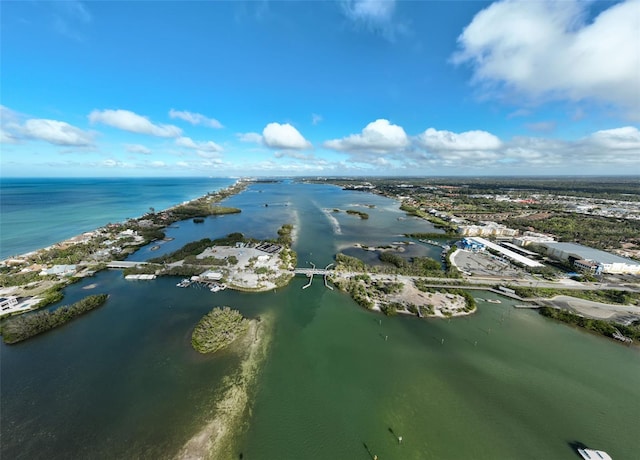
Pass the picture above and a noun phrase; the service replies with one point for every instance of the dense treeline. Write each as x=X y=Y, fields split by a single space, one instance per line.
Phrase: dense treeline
x=22 y=327
x=284 y=235
x=597 y=325
x=596 y=231
x=395 y=265
x=193 y=248
x=217 y=329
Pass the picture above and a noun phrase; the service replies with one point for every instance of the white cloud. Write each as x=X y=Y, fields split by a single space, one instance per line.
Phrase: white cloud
x=316 y=119
x=158 y=164
x=137 y=148
x=56 y=132
x=7 y=138
x=379 y=136
x=433 y=139
x=374 y=15
x=547 y=49
x=195 y=118
x=130 y=121
x=483 y=151
x=284 y=136
x=626 y=138
x=205 y=146
x=250 y=137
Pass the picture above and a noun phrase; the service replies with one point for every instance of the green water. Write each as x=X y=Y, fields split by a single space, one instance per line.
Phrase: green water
x=122 y=382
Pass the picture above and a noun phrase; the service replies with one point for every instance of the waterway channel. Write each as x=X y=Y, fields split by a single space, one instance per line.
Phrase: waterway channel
x=123 y=381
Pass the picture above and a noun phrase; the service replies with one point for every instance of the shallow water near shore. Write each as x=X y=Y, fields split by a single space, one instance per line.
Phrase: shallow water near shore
x=123 y=381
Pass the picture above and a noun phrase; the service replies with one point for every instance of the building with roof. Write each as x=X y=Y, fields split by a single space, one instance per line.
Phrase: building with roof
x=507 y=253
x=469 y=244
x=607 y=262
x=486 y=229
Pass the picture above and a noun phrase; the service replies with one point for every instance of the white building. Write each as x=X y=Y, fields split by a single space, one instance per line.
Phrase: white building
x=7 y=303
x=609 y=263
x=487 y=229
x=60 y=270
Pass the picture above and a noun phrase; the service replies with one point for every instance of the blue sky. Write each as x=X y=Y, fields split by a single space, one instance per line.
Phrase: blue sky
x=319 y=88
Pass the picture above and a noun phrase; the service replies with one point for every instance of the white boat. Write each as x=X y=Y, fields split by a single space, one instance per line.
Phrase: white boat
x=217 y=287
x=184 y=283
x=591 y=454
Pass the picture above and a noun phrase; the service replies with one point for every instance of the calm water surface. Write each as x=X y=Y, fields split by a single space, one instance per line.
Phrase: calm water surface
x=123 y=382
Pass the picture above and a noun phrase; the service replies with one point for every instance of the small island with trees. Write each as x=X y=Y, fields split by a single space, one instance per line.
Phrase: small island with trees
x=217 y=329
x=23 y=327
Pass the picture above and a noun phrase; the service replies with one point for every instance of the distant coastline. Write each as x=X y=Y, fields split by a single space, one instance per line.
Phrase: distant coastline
x=40 y=212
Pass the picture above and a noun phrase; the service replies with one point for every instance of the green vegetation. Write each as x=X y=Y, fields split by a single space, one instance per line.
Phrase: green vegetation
x=22 y=327
x=348 y=263
x=450 y=269
x=231 y=239
x=284 y=235
x=200 y=208
x=448 y=227
x=146 y=269
x=396 y=265
x=595 y=231
x=596 y=325
x=50 y=296
x=362 y=215
x=357 y=288
x=20 y=279
x=190 y=249
x=601 y=295
x=470 y=302
x=417 y=266
x=217 y=329
x=428 y=236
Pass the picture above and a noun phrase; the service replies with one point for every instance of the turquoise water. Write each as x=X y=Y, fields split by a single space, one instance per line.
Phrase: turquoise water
x=40 y=212
x=504 y=383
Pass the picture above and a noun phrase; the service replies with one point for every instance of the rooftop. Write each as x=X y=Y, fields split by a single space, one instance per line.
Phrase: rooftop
x=586 y=252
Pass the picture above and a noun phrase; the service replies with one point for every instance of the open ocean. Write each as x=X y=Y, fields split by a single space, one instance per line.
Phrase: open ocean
x=38 y=212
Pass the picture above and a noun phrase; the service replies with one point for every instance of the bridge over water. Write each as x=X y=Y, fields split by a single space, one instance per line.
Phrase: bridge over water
x=310 y=272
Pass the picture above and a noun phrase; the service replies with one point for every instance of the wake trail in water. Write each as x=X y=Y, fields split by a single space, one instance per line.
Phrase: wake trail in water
x=337 y=230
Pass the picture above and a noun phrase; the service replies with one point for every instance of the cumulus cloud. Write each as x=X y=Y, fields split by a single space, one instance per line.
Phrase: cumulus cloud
x=379 y=136
x=137 y=148
x=547 y=49
x=130 y=121
x=205 y=146
x=284 y=136
x=470 y=150
x=433 y=139
x=56 y=132
x=626 y=138
x=195 y=118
